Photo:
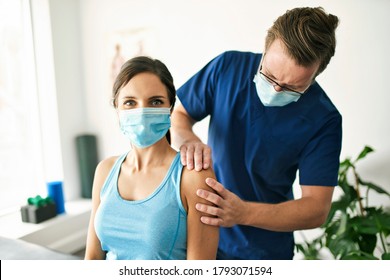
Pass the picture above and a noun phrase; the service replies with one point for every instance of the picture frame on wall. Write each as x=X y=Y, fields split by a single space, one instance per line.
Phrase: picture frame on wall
x=126 y=44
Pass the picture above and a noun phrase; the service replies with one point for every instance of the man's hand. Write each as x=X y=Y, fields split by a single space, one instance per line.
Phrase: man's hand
x=195 y=154
x=228 y=210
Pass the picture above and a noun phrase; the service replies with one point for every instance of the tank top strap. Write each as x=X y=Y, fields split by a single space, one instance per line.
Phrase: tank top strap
x=114 y=174
x=176 y=173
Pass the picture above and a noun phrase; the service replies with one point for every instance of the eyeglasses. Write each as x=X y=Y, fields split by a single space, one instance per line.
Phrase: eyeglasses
x=284 y=89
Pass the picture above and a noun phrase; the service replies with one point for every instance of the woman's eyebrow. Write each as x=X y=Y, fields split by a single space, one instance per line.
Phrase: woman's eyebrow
x=158 y=96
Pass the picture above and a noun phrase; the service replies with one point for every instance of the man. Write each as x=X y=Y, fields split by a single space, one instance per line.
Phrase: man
x=269 y=118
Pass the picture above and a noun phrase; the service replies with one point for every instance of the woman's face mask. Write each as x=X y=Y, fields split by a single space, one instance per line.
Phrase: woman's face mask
x=145 y=126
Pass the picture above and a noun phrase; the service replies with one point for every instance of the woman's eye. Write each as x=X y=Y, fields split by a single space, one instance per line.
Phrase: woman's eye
x=157 y=102
x=129 y=103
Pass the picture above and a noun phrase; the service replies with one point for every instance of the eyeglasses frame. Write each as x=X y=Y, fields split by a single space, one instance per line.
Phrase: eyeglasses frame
x=274 y=83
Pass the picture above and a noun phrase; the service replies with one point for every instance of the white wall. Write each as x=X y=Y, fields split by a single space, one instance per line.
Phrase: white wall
x=69 y=70
x=187 y=34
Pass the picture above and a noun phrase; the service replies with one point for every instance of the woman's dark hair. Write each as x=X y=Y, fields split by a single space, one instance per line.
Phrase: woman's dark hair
x=142 y=64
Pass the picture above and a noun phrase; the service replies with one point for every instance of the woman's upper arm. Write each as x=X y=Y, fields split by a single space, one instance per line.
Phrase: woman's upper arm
x=202 y=239
x=93 y=247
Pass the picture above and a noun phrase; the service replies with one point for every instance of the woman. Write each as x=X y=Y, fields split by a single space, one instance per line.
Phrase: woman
x=144 y=201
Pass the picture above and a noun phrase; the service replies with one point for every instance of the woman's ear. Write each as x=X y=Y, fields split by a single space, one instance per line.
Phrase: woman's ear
x=113 y=103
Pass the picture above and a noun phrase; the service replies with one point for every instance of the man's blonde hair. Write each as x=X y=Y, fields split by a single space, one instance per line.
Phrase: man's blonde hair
x=308 y=35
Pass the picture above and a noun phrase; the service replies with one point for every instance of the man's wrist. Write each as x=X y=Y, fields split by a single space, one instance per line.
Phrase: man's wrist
x=247 y=213
x=193 y=140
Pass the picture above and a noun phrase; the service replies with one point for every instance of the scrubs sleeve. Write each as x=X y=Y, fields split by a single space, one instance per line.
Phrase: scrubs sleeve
x=197 y=94
x=320 y=160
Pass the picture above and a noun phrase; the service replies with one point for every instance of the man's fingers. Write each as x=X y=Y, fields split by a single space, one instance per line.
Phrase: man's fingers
x=208 y=209
x=183 y=155
x=190 y=157
x=209 y=196
x=198 y=157
x=206 y=158
x=215 y=185
x=211 y=221
x=195 y=155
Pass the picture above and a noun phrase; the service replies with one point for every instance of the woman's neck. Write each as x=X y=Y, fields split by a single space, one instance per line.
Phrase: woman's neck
x=158 y=154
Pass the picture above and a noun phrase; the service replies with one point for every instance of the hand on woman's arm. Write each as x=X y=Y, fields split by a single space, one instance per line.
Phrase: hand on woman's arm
x=202 y=239
x=226 y=209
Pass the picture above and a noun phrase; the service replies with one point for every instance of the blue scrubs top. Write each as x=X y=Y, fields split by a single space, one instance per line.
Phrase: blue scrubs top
x=258 y=150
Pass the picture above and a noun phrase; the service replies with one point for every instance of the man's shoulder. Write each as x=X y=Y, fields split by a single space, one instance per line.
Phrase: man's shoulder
x=232 y=62
x=326 y=102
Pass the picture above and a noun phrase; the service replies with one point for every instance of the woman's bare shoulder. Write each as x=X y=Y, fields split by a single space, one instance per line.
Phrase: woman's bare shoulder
x=107 y=164
x=193 y=180
x=104 y=167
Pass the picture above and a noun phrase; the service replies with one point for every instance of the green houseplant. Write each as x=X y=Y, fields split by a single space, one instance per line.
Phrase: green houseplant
x=353 y=230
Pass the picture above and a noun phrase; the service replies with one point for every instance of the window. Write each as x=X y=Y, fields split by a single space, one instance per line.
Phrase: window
x=25 y=147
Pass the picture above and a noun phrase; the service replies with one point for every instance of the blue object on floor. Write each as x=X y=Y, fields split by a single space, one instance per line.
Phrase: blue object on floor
x=54 y=190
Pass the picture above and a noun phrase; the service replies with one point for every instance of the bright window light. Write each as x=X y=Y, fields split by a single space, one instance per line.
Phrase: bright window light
x=29 y=138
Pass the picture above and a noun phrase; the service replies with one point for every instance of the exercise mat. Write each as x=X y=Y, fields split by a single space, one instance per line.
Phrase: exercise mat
x=88 y=160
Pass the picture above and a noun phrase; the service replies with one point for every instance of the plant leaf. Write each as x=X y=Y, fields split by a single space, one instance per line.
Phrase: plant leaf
x=309 y=250
x=367 y=243
x=386 y=256
x=373 y=187
x=341 y=247
x=344 y=166
x=341 y=205
x=348 y=190
x=382 y=219
x=366 y=150
x=359 y=256
x=365 y=225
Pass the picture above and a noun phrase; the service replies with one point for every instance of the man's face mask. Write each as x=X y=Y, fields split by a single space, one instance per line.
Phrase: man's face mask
x=269 y=96
x=265 y=87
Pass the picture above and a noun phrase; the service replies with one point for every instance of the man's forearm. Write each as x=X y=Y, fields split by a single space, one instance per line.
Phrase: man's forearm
x=180 y=136
x=181 y=129
x=298 y=214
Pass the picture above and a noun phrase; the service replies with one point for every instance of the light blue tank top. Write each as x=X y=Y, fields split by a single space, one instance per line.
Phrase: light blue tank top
x=154 y=228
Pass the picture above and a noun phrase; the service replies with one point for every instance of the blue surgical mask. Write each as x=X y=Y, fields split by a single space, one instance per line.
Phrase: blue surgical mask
x=145 y=126
x=269 y=96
